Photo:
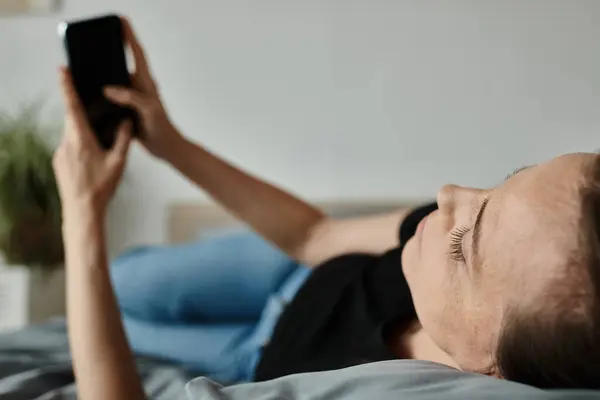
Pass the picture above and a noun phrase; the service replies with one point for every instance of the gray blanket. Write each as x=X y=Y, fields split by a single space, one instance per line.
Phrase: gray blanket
x=35 y=364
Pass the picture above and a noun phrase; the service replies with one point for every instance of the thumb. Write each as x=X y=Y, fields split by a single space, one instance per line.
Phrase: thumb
x=125 y=97
x=123 y=141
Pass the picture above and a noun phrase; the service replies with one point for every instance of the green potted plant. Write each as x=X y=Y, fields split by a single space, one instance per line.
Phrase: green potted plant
x=30 y=214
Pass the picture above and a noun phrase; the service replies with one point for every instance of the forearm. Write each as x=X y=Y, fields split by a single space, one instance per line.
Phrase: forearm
x=279 y=217
x=103 y=363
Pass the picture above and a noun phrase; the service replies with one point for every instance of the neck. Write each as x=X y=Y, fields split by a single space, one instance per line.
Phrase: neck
x=414 y=343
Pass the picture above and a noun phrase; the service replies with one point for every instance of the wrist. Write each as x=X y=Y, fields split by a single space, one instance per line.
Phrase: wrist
x=82 y=211
x=84 y=241
x=173 y=149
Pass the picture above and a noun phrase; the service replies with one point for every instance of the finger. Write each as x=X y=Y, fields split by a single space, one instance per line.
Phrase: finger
x=141 y=63
x=74 y=111
x=121 y=146
x=126 y=97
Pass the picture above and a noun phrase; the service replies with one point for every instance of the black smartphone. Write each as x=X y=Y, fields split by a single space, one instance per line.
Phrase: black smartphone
x=96 y=57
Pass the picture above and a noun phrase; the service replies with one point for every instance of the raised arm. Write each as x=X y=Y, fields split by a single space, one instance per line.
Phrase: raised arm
x=295 y=226
x=87 y=177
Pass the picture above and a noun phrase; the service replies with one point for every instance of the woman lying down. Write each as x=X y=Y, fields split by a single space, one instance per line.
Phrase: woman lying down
x=503 y=281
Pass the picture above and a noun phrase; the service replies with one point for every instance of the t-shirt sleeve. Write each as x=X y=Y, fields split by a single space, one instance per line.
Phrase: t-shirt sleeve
x=411 y=221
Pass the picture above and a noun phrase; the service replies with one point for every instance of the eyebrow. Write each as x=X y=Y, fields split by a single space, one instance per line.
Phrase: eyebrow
x=516 y=171
x=477 y=227
x=477 y=233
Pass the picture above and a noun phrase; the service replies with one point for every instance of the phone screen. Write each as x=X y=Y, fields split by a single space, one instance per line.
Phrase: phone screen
x=96 y=57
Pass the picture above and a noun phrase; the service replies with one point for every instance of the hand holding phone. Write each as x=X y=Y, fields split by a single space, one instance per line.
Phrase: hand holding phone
x=96 y=57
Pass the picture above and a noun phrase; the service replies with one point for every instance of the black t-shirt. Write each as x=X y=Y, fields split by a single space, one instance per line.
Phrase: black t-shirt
x=340 y=315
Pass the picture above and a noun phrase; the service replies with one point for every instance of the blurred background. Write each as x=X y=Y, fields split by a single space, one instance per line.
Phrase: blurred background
x=338 y=99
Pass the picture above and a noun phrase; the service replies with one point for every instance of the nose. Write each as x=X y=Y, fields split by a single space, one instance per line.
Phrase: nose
x=450 y=198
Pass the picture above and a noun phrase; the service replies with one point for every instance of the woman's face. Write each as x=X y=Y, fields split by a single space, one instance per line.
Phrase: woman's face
x=484 y=250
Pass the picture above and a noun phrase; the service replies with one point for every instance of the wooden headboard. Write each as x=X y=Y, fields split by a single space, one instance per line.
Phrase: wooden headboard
x=187 y=220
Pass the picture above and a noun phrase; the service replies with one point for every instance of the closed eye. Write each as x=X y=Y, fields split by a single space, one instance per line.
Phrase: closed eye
x=456 y=243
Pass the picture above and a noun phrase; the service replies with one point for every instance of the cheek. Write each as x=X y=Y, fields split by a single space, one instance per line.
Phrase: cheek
x=425 y=255
x=420 y=268
x=434 y=283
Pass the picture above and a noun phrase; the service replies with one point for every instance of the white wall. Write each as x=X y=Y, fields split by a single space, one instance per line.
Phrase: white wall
x=335 y=98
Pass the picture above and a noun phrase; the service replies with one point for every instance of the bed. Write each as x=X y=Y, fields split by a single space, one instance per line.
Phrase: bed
x=35 y=361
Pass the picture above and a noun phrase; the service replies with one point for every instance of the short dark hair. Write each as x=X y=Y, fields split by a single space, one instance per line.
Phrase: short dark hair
x=558 y=346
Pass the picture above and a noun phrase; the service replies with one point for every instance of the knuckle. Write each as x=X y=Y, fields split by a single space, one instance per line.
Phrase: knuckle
x=154 y=105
